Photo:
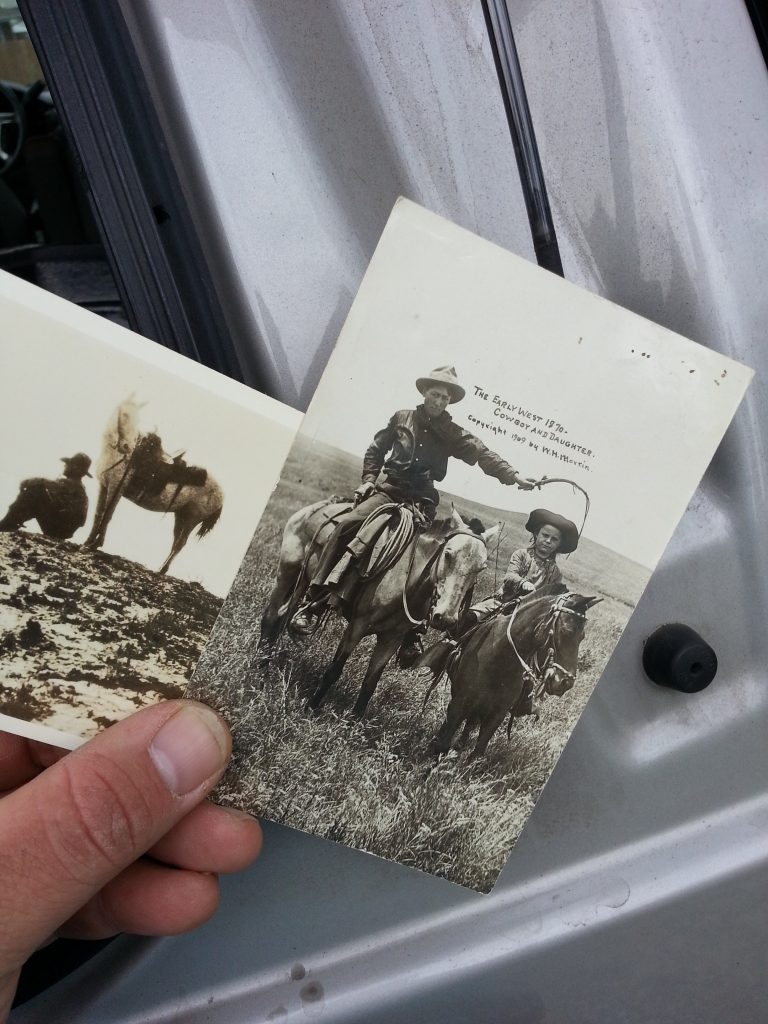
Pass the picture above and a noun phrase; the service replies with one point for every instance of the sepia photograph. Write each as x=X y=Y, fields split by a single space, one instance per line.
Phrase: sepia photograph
x=130 y=482
x=489 y=471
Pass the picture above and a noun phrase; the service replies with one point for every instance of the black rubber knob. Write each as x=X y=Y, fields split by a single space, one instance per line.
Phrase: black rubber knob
x=675 y=655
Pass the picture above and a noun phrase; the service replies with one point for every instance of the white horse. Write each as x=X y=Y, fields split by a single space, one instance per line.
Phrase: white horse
x=191 y=504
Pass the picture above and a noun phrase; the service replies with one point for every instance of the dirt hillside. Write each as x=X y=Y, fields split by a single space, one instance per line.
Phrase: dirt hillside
x=87 y=637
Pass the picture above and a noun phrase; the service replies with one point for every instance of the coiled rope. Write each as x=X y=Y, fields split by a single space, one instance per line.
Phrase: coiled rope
x=401 y=533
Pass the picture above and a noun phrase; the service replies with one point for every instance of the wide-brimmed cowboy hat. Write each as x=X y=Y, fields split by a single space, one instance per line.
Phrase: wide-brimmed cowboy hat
x=80 y=462
x=445 y=375
x=568 y=531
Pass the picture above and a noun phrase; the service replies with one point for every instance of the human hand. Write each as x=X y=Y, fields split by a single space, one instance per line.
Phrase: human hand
x=526 y=483
x=527 y=587
x=365 y=490
x=74 y=828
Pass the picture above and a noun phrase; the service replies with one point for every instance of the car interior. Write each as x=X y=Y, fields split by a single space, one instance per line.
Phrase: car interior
x=47 y=231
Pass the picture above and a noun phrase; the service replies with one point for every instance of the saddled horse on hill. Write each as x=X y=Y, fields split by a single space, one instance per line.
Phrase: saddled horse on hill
x=427 y=583
x=116 y=470
x=534 y=647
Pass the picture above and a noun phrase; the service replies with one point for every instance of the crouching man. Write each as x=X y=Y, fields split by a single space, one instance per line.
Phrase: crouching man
x=59 y=506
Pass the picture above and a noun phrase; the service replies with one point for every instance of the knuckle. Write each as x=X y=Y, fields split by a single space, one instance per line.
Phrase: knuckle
x=101 y=820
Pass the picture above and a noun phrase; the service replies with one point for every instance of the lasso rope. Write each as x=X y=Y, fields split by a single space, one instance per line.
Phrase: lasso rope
x=400 y=536
x=577 y=487
x=534 y=670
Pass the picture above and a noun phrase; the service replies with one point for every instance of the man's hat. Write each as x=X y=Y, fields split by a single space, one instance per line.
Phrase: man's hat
x=568 y=530
x=443 y=375
x=79 y=463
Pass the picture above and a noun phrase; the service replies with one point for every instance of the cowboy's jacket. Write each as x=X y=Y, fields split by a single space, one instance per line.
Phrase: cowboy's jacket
x=62 y=504
x=419 y=449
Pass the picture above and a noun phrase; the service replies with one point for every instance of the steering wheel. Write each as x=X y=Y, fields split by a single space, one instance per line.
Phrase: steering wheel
x=13 y=128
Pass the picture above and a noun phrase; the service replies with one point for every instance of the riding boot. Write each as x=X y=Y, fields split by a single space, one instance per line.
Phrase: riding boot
x=318 y=592
x=524 y=706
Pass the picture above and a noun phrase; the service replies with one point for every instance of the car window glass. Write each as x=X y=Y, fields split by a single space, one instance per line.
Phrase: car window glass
x=18 y=63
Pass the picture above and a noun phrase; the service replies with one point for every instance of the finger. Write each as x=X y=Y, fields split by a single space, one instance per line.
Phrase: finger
x=22 y=759
x=146 y=899
x=211 y=838
x=16 y=763
x=66 y=833
x=8 y=984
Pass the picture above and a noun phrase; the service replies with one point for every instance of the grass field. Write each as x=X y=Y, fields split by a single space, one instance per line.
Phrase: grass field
x=372 y=784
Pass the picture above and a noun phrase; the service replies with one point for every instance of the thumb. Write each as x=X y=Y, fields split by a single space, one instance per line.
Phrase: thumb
x=64 y=835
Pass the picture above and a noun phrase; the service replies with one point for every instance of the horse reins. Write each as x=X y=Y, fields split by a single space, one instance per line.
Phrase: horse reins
x=127 y=457
x=535 y=670
x=400 y=538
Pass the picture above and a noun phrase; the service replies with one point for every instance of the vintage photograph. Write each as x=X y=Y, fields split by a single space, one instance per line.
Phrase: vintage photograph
x=130 y=483
x=490 y=469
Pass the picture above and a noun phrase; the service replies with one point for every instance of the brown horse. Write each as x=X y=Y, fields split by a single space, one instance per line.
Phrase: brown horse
x=535 y=646
x=191 y=504
x=428 y=583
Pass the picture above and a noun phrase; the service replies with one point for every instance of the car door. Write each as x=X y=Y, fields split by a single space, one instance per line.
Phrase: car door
x=261 y=146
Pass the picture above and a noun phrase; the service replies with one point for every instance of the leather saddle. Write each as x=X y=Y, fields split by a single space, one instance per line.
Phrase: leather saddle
x=153 y=469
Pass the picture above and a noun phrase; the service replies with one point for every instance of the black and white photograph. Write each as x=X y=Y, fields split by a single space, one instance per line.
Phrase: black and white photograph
x=130 y=483
x=491 y=467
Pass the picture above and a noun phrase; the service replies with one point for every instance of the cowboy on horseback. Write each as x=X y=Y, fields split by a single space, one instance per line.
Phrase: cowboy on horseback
x=401 y=465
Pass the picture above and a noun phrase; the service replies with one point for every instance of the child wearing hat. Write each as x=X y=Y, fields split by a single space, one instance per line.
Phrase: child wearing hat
x=532 y=567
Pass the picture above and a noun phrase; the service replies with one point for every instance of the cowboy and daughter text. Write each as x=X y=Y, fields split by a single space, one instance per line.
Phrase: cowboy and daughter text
x=539 y=431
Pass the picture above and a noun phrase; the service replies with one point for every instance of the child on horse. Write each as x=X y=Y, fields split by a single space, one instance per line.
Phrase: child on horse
x=530 y=568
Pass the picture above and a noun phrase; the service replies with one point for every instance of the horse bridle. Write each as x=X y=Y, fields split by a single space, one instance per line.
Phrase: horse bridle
x=428 y=572
x=535 y=669
x=126 y=456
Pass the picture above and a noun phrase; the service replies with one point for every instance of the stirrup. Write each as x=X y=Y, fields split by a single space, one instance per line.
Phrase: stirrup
x=306 y=620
